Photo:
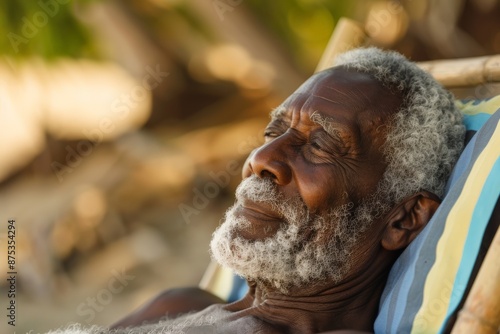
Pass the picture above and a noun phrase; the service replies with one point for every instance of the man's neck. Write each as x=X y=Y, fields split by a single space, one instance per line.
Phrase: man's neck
x=350 y=304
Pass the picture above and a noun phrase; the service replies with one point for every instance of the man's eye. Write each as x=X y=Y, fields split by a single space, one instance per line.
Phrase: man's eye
x=270 y=134
x=316 y=145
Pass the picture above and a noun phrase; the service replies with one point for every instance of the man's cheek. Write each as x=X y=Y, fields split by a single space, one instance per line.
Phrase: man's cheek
x=318 y=195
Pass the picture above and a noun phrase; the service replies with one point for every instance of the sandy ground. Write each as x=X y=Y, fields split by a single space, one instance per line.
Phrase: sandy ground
x=110 y=237
x=83 y=295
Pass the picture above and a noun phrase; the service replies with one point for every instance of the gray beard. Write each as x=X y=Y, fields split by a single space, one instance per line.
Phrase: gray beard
x=303 y=251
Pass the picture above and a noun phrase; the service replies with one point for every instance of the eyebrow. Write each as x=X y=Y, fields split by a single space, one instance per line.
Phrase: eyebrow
x=316 y=117
x=277 y=112
x=326 y=124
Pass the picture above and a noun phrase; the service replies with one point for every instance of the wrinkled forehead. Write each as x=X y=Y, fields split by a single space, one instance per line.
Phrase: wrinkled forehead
x=340 y=88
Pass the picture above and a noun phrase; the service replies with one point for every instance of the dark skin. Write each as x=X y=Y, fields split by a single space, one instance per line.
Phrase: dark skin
x=325 y=143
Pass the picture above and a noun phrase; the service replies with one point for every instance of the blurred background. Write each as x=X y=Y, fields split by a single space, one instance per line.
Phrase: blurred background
x=124 y=126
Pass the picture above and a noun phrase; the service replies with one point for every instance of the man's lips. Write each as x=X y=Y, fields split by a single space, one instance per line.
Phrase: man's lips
x=260 y=211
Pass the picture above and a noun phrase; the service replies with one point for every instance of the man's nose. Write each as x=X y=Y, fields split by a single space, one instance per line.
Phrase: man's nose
x=269 y=160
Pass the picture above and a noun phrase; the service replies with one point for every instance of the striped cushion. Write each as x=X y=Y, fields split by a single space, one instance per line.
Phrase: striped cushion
x=427 y=283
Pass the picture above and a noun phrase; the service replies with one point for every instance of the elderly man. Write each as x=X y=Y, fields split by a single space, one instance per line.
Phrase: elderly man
x=353 y=167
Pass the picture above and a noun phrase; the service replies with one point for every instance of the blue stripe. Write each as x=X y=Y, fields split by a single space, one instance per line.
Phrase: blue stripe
x=402 y=301
x=480 y=218
x=474 y=102
x=475 y=122
x=238 y=290
x=394 y=301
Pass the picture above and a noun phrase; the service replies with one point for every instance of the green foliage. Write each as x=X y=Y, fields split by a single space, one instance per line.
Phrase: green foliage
x=43 y=28
x=303 y=26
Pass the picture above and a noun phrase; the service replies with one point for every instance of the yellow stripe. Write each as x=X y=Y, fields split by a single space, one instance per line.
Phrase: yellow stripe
x=487 y=107
x=439 y=282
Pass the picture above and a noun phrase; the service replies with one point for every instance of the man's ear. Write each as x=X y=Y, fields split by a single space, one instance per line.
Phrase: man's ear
x=406 y=220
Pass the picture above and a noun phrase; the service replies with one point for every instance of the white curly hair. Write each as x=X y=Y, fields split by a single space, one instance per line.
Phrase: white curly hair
x=426 y=135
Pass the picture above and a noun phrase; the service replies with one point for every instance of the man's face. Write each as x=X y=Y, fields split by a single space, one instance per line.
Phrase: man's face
x=303 y=200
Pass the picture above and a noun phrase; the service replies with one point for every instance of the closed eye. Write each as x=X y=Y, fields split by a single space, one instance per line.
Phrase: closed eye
x=316 y=145
x=270 y=134
x=274 y=130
